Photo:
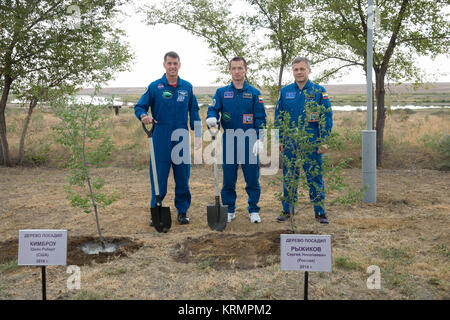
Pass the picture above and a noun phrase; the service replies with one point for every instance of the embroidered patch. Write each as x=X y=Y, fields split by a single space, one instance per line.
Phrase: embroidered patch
x=325 y=96
x=226 y=116
x=313 y=117
x=247 y=119
x=260 y=99
x=160 y=86
x=291 y=95
x=247 y=95
x=213 y=103
x=167 y=94
x=182 y=94
x=228 y=95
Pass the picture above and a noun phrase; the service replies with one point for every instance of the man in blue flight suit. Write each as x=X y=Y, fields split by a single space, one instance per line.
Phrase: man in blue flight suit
x=295 y=100
x=241 y=111
x=172 y=102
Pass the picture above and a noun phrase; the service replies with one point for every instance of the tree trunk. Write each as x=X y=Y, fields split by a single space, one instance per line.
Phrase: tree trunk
x=33 y=104
x=381 y=115
x=280 y=76
x=83 y=159
x=5 y=159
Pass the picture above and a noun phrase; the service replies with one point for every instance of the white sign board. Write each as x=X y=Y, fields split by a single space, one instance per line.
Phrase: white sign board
x=42 y=247
x=303 y=252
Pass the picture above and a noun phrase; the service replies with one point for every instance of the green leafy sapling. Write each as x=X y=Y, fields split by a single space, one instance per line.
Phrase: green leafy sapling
x=82 y=132
x=297 y=141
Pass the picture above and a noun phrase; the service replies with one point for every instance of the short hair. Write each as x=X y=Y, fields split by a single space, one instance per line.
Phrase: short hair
x=171 y=54
x=237 y=59
x=302 y=59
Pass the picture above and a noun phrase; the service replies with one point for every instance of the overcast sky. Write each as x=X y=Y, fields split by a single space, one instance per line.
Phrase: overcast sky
x=149 y=45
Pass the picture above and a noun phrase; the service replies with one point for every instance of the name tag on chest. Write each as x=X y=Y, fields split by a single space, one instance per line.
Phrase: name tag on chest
x=291 y=95
x=228 y=95
x=247 y=95
x=313 y=117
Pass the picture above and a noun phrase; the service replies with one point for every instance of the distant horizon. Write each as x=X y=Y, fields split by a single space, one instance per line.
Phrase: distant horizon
x=355 y=88
x=325 y=84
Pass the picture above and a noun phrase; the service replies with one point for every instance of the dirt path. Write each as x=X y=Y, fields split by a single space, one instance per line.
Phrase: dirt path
x=406 y=233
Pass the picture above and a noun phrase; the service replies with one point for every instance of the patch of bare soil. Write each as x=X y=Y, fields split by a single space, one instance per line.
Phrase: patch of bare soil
x=232 y=251
x=405 y=233
x=75 y=255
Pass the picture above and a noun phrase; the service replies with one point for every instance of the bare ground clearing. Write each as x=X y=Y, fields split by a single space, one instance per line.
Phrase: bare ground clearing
x=406 y=233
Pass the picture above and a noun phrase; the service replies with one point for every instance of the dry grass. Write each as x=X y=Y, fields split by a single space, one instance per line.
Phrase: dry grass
x=410 y=138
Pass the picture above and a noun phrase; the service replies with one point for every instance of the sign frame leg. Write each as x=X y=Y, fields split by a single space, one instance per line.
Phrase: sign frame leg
x=44 y=284
x=305 y=294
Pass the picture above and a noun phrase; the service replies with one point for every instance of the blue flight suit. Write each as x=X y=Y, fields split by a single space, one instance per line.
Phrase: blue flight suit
x=292 y=100
x=171 y=107
x=239 y=111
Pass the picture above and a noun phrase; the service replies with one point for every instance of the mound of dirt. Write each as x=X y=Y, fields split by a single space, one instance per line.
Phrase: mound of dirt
x=75 y=255
x=232 y=251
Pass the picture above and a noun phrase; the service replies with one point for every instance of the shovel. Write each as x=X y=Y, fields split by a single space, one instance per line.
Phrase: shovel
x=161 y=217
x=217 y=214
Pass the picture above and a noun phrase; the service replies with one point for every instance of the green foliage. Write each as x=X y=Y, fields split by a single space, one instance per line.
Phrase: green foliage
x=345 y=138
x=404 y=31
x=9 y=266
x=57 y=45
x=395 y=256
x=335 y=181
x=39 y=153
x=442 y=249
x=83 y=133
x=439 y=143
x=346 y=263
x=210 y=20
x=229 y=32
x=298 y=142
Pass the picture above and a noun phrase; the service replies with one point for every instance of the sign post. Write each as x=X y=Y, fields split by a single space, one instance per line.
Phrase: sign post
x=42 y=248
x=305 y=291
x=369 y=136
x=305 y=252
x=44 y=284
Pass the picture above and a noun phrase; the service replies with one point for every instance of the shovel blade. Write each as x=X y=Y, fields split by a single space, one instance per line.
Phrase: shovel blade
x=162 y=220
x=217 y=216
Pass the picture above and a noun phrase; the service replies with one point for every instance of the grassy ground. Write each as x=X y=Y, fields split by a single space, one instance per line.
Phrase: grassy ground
x=406 y=233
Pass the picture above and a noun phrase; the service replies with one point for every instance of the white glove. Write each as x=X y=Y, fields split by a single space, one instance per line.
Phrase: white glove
x=258 y=147
x=211 y=122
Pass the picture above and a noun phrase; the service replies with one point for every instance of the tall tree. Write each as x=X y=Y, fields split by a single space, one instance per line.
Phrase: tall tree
x=55 y=39
x=284 y=25
x=268 y=33
x=212 y=21
x=407 y=30
x=36 y=87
